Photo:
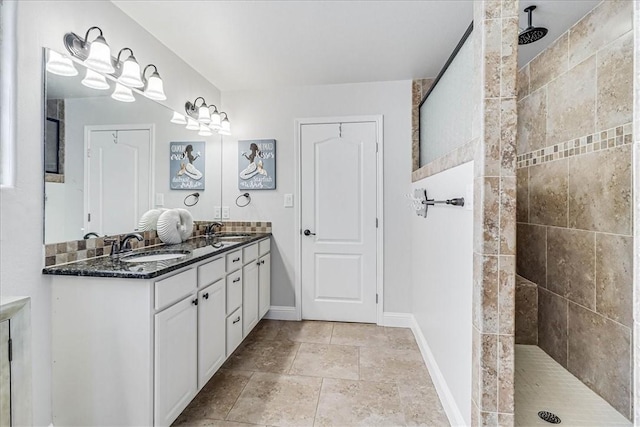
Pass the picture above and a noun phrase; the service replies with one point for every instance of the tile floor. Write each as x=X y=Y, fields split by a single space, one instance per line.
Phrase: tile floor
x=320 y=374
x=542 y=384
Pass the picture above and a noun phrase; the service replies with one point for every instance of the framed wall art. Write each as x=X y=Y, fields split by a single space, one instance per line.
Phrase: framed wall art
x=257 y=164
x=187 y=165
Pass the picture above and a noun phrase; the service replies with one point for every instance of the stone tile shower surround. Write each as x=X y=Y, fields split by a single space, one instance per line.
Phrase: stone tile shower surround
x=574 y=201
x=75 y=250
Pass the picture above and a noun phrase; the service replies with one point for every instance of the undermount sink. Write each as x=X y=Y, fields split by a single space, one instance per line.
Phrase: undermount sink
x=154 y=256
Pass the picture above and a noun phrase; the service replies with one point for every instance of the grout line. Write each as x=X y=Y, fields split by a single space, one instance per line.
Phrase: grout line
x=576 y=229
x=239 y=394
x=315 y=415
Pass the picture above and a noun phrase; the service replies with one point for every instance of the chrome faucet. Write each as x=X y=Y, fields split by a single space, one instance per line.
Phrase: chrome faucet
x=211 y=227
x=123 y=245
x=90 y=234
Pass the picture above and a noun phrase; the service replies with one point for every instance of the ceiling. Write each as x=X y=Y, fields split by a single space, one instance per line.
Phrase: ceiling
x=240 y=45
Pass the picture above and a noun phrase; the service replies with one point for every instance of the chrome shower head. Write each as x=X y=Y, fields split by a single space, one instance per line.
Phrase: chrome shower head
x=531 y=34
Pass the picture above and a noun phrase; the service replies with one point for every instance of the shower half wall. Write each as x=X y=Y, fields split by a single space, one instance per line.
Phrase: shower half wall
x=574 y=202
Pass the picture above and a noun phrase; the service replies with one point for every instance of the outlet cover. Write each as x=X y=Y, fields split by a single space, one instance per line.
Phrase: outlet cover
x=159 y=199
x=216 y=212
x=225 y=212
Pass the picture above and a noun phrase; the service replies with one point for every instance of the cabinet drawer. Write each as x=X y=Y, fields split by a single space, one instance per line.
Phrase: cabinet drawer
x=250 y=253
x=210 y=272
x=234 y=260
x=265 y=246
x=234 y=331
x=174 y=288
x=234 y=291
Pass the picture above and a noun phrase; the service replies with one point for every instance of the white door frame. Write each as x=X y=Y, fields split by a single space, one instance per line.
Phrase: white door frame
x=152 y=166
x=297 y=154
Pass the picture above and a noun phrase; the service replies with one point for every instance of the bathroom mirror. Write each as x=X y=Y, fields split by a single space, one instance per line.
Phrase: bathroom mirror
x=107 y=162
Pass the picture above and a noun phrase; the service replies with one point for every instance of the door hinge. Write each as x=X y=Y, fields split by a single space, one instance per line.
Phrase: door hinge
x=376 y=298
x=88 y=217
x=88 y=152
x=10 y=345
x=377 y=147
x=376 y=222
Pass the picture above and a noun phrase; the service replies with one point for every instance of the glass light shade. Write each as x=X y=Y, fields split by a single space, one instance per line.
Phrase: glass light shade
x=192 y=124
x=225 y=126
x=203 y=114
x=178 y=119
x=131 y=73
x=60 y=65
x=215 y=120
x=123 y=94
x=99 y=56
x=155 y=88
x=205 y=131
x=224 y=132
x=95 y=80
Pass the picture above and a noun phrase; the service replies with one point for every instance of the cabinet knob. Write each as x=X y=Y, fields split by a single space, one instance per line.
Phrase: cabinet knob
x=262 y=262
x=206 y=296
x=237 y=320
x=258 y=263
x=195 y=301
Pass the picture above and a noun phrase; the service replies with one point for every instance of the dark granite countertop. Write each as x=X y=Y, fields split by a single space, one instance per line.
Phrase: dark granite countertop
x=198 y=248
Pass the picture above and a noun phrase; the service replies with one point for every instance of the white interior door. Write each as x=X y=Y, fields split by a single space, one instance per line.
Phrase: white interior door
x=118 y=179
x=338 y=216
x=5 y=375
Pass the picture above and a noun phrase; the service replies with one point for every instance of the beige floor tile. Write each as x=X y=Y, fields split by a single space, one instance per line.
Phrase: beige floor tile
x=278 y=400
x=421 y=405
x=349 y=403
x=389 y=365
x=401 y=338
x=326 y=360
x=216 y=398
x=306 y=331
x=265 y=330
x=215 y=423
x=359 y=334
x=263 y=356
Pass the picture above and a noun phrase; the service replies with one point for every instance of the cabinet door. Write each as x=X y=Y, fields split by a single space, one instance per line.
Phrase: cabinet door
x=211 y=330
x=176 y=360
x=249 y=297
x=264 y=296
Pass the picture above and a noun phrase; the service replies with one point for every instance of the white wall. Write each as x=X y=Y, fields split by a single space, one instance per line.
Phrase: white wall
x=442 y=273
x=271 y=114
x=43 y=24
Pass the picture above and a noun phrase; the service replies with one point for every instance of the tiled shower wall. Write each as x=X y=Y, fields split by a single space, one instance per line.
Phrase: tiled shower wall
x=574 y=200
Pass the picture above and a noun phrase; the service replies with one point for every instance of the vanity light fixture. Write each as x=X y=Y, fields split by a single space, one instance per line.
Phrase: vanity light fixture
x=215 y=118
x=192 y=124
x=205 y=131
x=95 y=54
x=95 y=80
x=60 y=65
x=198 y=112
x=178 y=119
x=153 y=86
x=130 y=70
x=225 y=125
x=123 y=93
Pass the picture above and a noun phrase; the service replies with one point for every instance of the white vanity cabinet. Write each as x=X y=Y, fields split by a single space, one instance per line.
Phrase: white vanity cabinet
x=136 y=352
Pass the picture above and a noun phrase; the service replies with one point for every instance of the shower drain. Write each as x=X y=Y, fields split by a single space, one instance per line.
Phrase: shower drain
x=549 y=417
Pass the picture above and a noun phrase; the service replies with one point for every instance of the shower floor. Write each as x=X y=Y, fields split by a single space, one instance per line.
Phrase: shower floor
x=542 y=384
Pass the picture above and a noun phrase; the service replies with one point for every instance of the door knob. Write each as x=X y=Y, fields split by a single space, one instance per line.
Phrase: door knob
x=307 y=232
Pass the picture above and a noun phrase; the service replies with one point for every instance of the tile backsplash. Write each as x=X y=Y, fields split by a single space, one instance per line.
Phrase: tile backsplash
x=75 y=250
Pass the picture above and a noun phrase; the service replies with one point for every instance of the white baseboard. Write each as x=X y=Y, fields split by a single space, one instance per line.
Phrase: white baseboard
x=448 y=403
x=397 y=320
x=277 y=312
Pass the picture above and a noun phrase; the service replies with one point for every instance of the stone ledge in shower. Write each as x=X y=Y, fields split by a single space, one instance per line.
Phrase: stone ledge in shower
x=614 y=137
x=76 y=250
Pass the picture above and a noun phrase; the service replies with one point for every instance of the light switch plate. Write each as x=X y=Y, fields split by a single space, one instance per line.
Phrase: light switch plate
x=225 y=212
x=288 y=200
x=216 y=212
x=159 y=199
